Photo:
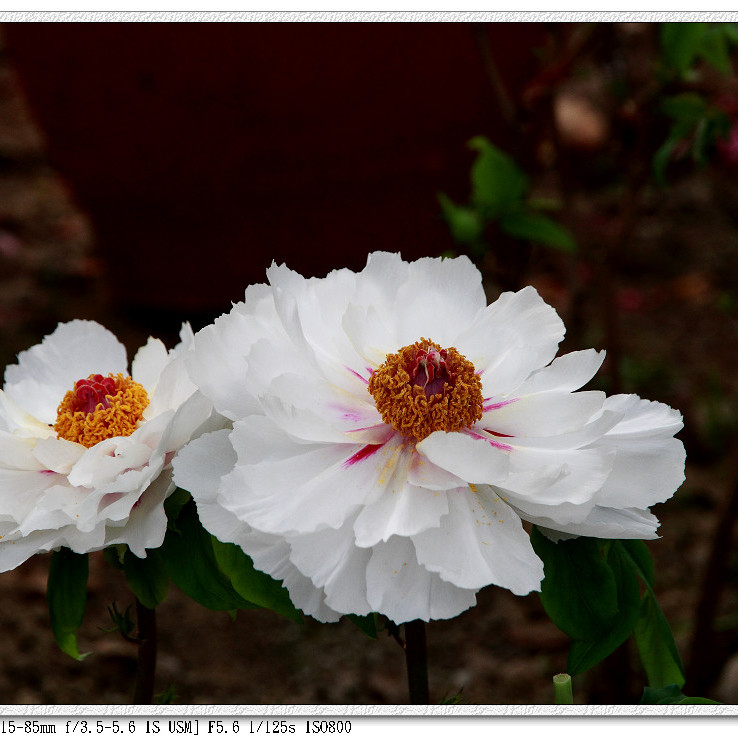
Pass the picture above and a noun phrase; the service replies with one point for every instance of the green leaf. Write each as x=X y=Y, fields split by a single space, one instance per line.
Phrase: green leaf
x=174 y=504
x=640 y=558
x=585 y=654
x=652 y=634
x=367 y=624
x=498 y=184
x=662 y=157
x=714 y=48
x=671 y=694
x=147 y=577
x=539 y=229
x=686 y=109
x=253 y=585
x=190 y=562
x=579 y=590
x=66 y=595
x=680 y=44
x=465 y=224
x=655 y=643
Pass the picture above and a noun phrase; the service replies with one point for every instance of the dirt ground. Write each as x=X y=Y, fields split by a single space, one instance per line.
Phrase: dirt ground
x=677 y=294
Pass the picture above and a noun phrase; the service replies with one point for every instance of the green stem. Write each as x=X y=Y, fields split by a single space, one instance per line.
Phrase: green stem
x=143 y=693
x=562 y=690
x=417 y=662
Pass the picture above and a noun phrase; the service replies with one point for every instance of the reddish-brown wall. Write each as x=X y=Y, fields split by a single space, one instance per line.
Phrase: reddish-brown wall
x=205 y=151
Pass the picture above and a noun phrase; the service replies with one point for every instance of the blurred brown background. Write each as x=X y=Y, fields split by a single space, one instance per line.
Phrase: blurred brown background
x=149 y=172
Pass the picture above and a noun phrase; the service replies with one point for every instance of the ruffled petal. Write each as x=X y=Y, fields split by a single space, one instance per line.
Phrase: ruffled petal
x=333 y=562
x=401 y=589
x=481 y=541
x=404 y=510
x=544 y=414
x=514 y=336
x=649 y=463
x=217 y=362
x=45 y=372
x=603 y=522
x=200 y=465
x=284 y=486
x=438 y=296
x=148 y=364
x=565 y=485
x=564 y=374
x=313 y=410
x=474 y=460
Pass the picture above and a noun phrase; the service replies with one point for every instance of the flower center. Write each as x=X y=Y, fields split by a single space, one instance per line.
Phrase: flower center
x=425 y=388
x=100 y=407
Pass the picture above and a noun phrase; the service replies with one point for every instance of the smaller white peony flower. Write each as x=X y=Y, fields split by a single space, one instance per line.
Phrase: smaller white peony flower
x=392 y=431
x=86 y=448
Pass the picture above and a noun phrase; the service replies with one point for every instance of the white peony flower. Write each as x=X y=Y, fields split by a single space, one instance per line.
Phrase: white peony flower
x=86 y=449
x=391 y=431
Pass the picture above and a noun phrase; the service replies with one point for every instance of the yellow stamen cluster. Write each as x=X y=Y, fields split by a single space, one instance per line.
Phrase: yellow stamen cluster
x=125 y=409
x=408 y=408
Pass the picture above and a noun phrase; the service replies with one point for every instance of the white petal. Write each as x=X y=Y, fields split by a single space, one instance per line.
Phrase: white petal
x=313 y=410
x=199 y=466
x=514 y=336
x=146 y=525
x=544 y=414
x=471 y=459
x=403 y=511
x=644 y=473
x=643 y=418
x=603 y=522
x=45 y=372
x=401 y=589
x=217 y=363
x=105 y=461
x=438 y=296
x=281 y=486
x=271 y=555
x=16 y=452
x=332 y=561
x=481 y=541
x=564 y=485
x=371 y=337
x=649 y=463
x=58 y=454
x=15 y=550
x=424 y=473
x=13 y=419
x=186 y=421
x=149 y=363
x=20 y=491
x=564 y=374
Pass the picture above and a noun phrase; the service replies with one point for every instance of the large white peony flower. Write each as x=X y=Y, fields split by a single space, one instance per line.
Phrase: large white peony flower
x=391 y=431
x=86 y=449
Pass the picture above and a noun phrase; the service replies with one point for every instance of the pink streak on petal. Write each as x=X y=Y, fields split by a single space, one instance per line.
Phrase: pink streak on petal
x=46 y=471
x=368 y=427
x=496 y=444
x=363 y=453
x=356 y=374
x=351 y=416
x=497 y=405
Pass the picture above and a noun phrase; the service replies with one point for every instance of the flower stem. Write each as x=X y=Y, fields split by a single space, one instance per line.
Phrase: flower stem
x=143 y=693
x=562 y=690
x=417 y=662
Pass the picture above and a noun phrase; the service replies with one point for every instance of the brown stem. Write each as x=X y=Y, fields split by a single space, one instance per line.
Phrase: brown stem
x=143 y=693
x=417 y=663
